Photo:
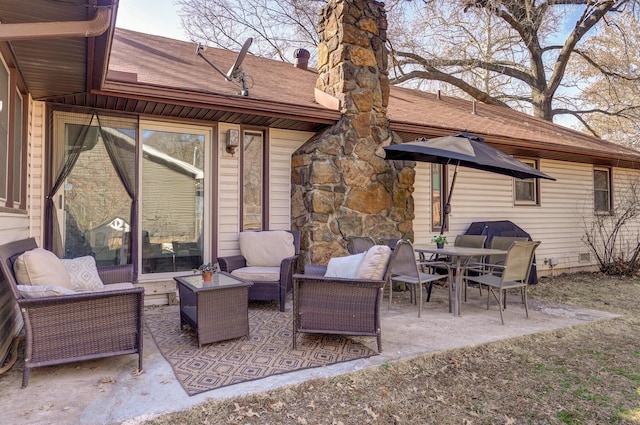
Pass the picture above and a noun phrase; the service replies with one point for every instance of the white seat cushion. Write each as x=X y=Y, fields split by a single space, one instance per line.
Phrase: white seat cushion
x=83 y=273
x=266 y=248
x=346 y=267
x=258 y=274
x=41 y=267
x=39 y=291
x=374 y=263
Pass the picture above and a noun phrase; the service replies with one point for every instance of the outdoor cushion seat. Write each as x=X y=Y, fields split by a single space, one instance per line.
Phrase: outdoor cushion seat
x=267 y=258
x=64 y=327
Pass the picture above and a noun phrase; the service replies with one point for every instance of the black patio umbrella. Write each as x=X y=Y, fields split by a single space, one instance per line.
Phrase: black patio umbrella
x=466 y=150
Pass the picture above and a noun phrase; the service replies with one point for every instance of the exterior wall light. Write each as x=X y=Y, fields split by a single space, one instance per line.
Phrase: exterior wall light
x=233 y=140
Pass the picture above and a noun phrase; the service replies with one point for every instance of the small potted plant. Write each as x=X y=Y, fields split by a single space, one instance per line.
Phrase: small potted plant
x=440 y=240
x=207 y=270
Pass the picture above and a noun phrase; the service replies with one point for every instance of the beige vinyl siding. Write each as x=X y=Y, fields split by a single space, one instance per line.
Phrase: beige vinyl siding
x=228 y=185
x=558 y=222
x=35 y=169
x=422 y=203
x=282 y=143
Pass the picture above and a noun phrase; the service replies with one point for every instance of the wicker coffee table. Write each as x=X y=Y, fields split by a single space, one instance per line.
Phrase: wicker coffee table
x=215 y=310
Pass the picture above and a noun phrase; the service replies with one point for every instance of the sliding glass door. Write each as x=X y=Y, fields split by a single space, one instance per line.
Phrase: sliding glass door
x=174 y=189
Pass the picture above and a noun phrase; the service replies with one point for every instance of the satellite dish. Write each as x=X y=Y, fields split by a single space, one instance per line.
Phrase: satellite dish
x=236 y=68
x=235 y=72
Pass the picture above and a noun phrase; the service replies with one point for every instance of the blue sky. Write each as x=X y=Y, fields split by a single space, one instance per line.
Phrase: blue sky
x=159 y=17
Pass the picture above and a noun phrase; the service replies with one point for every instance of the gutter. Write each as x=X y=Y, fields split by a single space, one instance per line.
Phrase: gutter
x=37 y=30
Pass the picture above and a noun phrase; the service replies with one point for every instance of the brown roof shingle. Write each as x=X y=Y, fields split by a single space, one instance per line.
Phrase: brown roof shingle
x=168 y=68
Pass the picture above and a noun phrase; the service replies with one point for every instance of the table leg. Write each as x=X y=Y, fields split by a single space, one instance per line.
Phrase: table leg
x=458 y=284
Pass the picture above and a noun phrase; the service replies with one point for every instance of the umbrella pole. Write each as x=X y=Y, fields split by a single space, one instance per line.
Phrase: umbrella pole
x=447 y=206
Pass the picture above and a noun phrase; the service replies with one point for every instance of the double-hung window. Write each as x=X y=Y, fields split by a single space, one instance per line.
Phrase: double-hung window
x=527 y=191
x=602 y=190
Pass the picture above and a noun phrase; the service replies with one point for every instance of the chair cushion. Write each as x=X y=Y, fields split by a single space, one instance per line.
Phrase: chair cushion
x=266 y=248
x=346 y=267
x=374 y=263
x=41 y=267
x=39 y=291
x=114 y=287
x=83 y=273
x=258 y=274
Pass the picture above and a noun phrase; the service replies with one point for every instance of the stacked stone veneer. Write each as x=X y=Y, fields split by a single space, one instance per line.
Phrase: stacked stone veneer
x=341 y=184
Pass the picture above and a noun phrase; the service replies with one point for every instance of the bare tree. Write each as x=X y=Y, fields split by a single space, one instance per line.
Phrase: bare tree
x=614 y=238
x=611 y=82
x=533 y=66
x=278 y=27
x=513 y=53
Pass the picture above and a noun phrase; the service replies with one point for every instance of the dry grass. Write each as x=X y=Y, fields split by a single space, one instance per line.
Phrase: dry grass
x=587 y=374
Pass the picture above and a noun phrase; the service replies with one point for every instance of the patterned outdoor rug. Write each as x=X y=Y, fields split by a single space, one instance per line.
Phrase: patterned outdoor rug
x=266 y=351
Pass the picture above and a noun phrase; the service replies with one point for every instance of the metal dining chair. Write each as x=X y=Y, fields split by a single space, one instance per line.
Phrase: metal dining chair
x=515 y=274
x=358 y=244
x=405 y=268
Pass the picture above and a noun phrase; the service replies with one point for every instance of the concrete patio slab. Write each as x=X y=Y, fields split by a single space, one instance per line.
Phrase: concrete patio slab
x=108 y=392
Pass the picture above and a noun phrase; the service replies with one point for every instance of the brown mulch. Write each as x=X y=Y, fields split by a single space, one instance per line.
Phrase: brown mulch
x=586 y=374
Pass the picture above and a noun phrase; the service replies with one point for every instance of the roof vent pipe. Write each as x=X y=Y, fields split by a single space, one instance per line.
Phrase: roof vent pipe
x=473 y=107
x=438 y=95
x=301 y=57
x=35 y=30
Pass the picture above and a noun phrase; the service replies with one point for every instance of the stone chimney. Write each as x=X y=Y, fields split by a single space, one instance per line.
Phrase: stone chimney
x=341 y=184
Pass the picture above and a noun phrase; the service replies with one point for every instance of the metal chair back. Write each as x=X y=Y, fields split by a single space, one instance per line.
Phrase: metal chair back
x=358 y=244
x=517 y=265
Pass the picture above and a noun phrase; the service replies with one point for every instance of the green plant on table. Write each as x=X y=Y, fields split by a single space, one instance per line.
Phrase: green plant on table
x=439 y=239
x=207 y=267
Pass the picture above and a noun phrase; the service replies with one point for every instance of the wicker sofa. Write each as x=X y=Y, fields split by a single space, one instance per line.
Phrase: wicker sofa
x=268 y=259
x=324 y=302
x=82 y=326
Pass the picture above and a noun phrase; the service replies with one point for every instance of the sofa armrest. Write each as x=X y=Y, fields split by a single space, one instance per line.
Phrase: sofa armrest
x=116 y=274
x=231 y=263
x=315 y=270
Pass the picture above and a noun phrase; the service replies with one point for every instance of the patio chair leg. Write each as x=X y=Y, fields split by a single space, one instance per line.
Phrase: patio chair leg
x=526 y=307
x=25 y=376
x=429 y=291
x=420 y=301
x=502 y=294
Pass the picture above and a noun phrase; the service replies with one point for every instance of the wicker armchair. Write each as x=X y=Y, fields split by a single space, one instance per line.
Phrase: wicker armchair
x=68 y=328
x=275 y=289
x=334 y=305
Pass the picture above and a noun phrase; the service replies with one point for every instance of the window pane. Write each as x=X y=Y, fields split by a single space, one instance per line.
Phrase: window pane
x=252 y=181
x=4 y=129
x=172 y=190
x=601 y=180
x=525 y=190
x=17 y=158
x=436 y=196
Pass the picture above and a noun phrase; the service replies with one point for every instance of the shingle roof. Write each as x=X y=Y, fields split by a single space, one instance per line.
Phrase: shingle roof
x=171 y=67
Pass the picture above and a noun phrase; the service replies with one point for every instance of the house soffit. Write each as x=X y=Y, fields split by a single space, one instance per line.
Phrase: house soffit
x=53 y=66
